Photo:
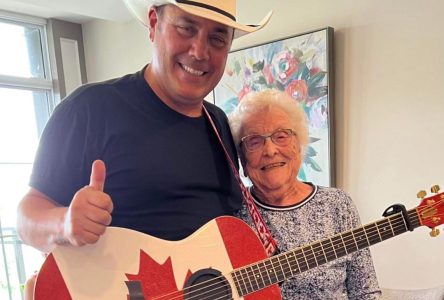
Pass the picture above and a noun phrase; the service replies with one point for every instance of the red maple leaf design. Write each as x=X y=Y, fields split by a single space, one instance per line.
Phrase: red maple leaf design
x=157 y=280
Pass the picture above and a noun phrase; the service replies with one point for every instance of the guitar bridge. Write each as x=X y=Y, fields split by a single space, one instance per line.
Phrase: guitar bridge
x=135 y=290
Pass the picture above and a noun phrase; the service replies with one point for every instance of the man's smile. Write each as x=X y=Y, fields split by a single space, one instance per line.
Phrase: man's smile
x=191 y=70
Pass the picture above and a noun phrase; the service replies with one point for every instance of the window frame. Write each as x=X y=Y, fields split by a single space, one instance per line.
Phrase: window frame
x=8 y=236
x=33 y=84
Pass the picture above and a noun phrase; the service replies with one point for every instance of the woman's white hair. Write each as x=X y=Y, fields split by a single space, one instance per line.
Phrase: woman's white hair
x=263 y=101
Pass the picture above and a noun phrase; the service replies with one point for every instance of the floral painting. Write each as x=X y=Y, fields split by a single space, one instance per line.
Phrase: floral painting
x=301 y=66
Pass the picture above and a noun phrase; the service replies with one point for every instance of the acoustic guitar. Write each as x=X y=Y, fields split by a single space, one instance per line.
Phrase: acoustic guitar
x=224 y=259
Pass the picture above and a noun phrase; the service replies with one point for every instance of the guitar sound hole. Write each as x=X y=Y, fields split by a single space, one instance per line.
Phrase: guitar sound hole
x=207 y=284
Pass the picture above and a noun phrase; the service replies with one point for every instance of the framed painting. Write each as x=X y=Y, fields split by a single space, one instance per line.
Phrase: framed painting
x=301 y=65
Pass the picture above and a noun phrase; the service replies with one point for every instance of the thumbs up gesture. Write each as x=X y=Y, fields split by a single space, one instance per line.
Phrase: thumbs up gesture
x=90 y=210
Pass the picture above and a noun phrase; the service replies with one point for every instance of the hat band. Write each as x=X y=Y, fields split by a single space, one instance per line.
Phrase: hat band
x=218 y=10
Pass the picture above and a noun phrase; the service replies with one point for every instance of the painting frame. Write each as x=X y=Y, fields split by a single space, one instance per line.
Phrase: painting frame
x=301 y=65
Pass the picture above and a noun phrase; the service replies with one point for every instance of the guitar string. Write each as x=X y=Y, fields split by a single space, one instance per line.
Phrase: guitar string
x=311 y=258
x=251 y=272
x=248 y=274
x=280 y=276
x=367 y=230
x=396 y=227
x=370 y=233
x=393 y=226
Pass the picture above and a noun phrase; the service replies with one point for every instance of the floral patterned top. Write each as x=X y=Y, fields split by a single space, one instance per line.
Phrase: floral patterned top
x=325 y=212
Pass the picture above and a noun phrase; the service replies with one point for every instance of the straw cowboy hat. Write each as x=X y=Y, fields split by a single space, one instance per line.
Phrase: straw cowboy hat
x=221 y=11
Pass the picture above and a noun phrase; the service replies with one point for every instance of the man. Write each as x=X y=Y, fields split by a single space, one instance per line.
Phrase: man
x=138 y=151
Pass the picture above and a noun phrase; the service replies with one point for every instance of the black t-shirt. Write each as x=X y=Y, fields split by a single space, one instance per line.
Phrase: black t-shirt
x=166 y=173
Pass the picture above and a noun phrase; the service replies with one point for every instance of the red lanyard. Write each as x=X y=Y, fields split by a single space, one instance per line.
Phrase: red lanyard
x=264 y=234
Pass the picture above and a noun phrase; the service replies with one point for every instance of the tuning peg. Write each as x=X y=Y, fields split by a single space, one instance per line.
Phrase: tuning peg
x=435 y=189
x=421 y=194
x=434 y=232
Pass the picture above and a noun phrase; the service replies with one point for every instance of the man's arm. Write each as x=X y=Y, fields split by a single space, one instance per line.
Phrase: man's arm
x=43 y=224
x=40 y=221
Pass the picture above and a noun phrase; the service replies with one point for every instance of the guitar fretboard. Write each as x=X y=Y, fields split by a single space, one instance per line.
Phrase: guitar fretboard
x=285 y=265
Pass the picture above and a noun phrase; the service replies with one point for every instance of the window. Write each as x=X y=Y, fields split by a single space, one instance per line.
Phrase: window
x=26 y=101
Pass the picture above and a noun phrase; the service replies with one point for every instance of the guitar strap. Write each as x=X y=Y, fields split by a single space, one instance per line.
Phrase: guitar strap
x=269 y=243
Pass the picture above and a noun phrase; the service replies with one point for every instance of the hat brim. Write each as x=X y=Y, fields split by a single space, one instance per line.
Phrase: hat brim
x=139 y=8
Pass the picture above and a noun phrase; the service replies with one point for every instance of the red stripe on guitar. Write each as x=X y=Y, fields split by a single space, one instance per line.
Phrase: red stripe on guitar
x=50 y=283
x=243 y=248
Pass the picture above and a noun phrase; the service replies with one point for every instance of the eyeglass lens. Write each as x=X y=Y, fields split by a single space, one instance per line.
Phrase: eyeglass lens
x=280 y=137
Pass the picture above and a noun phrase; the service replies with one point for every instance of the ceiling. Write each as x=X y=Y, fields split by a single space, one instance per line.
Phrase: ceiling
x=77 y=11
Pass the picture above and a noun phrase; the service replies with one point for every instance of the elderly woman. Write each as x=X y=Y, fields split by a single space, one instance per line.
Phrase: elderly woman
x=271 y=132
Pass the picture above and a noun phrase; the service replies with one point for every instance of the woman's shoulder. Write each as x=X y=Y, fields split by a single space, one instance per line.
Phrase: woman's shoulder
x=337 y=199
x=332 y=193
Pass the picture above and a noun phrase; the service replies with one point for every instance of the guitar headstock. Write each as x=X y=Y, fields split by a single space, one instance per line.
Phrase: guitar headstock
x=431 y=209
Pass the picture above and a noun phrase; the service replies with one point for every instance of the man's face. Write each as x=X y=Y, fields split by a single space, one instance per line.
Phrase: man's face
x=189 y=57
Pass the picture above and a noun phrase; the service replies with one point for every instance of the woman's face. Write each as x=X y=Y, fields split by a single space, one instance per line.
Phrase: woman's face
x=271 y=167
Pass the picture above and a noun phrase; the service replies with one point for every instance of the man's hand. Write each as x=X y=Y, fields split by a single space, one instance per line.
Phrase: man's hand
x=90 y=211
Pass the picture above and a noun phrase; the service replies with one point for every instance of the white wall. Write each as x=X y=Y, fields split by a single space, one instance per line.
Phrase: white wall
x=389 y=105
x=114 y=49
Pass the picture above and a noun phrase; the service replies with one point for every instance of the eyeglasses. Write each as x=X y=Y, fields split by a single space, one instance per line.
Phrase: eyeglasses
x=280 y=137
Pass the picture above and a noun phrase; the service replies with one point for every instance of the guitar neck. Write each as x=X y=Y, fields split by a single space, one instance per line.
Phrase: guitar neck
x=285 y=265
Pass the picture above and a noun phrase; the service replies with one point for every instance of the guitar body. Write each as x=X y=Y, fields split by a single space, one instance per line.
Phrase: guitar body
x=161 y=269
